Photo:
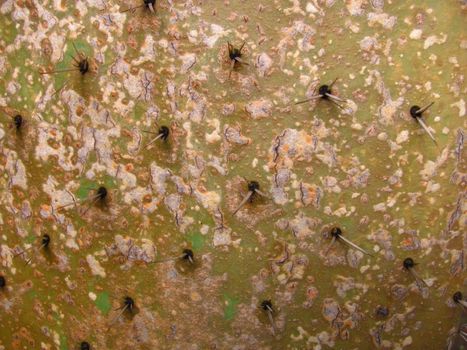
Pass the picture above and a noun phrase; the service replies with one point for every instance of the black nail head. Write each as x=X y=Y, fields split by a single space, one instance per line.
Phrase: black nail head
x=234 y=54
x=266 y=305
x=102 y=192
x=408 y=263
x=382 y=311
x=457 y=296
x=83 y=66
x=323 y=90
x=129 y=303
x=336 y=232
x=18 y=120
x=253 y=186
x=45 y=240
x=164 y=131
x=414 y=112
x=187 y=254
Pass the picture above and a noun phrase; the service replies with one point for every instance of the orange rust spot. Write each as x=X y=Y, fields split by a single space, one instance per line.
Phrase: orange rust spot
x=45 y=207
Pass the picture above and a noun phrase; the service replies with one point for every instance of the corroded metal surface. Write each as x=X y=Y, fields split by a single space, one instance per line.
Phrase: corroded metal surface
x=143 y=128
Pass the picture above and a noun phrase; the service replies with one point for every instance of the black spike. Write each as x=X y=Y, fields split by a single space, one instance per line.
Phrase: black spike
x=382 y=311
x=102 y=193
x=164 y=131
x=234 y=53
x=18 y=121
x=323 y=91
x=414 y=112
x=253 y=186
x=457 y=297
x=45 y=240
x=408 y=263
x=83 y=66
x=336 y=232
x=266 y=305
x=129 y=303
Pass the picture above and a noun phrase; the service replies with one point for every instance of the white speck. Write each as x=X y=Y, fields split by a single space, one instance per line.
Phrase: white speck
x=407 y=341
x=204 y=229
x=416 y=34
x=96 y=268
x=461 y=105
x=311 y=8
x=382 y=136
x=433 y=39
x=363 y=269
x=379 y=207
x=402 y=137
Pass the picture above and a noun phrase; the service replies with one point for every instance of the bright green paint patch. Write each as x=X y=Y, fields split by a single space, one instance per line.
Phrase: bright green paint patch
x=63 y=342
x=31 y=294
x=110 y=182
x=87 y=185
x=230 y=307
x=197 y=241
x=103 y=302
x=31 y=238
x=84 y=188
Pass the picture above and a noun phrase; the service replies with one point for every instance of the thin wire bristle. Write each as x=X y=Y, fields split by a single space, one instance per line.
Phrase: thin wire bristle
x=232 y=66
x=165 y=260
x=76 y=50
x=60 y=71
x=329 y=246
x=309 y=99
x=118 y=316
x=91 y=204
x=74 y=59
x=262 y=194
x=150 y=132
x=334 y=97
x=68 y=204
x=354 y=245
x=154 y=140
x=423 y=109
x=333 y=82
x=132 y=8
x=28 y=261
x=338 y=105
x=271 y=320
x=425 y=127
x=241 y=61
x=21 y=252
x=417 y=277
x=242 y=203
